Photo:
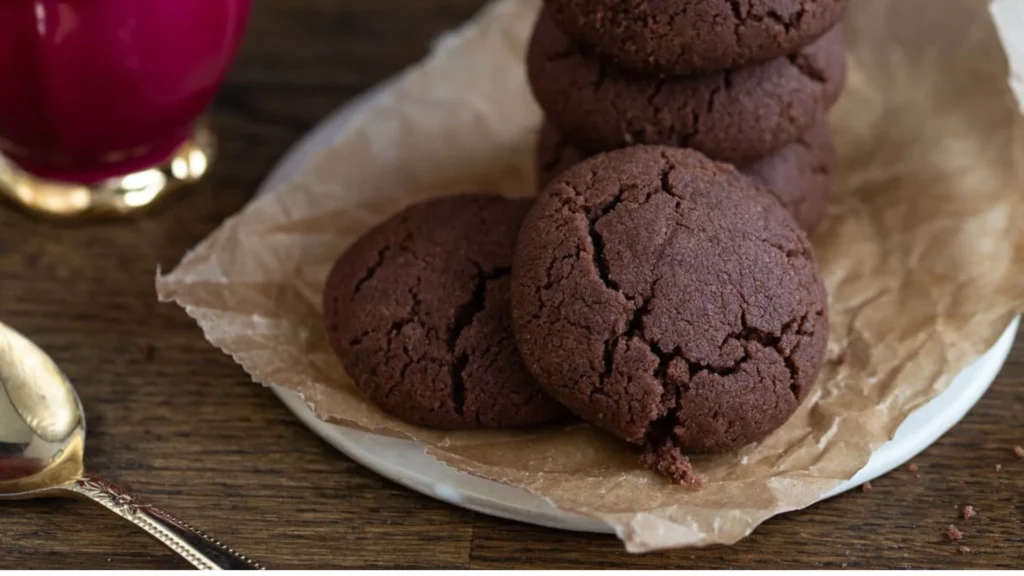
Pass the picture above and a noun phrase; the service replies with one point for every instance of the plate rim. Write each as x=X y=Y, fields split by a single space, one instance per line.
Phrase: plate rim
x=958 y=398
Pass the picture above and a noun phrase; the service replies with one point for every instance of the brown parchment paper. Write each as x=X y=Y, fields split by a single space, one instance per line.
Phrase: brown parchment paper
x=923 y=254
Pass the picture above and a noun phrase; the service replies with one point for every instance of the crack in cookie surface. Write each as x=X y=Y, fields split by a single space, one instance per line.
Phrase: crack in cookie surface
x=464 y=317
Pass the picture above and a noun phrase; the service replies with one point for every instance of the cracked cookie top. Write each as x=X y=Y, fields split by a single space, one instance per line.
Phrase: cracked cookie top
x=417 y=310
x=686 y=37
x=736 y=116
x=668 y=299
x=798 y=175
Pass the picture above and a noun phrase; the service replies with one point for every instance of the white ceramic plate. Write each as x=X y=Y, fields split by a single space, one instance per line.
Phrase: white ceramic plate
x=407 y=463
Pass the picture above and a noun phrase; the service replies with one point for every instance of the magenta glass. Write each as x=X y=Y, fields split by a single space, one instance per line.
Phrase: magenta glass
x=97 y=88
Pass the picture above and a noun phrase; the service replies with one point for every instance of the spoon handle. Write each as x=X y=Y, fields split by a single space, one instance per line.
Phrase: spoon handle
x=200 y=550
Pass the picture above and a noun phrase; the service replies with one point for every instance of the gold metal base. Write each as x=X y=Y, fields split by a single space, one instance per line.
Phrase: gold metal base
x=121 y=196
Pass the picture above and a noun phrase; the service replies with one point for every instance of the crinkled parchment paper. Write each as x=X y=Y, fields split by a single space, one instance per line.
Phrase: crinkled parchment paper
x=923 y=254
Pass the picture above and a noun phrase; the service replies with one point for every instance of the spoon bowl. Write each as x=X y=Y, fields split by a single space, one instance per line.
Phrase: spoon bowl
x=42 y=451
x=42 y=424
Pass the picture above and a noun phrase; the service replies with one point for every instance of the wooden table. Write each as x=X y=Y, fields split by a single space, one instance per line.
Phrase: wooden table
x=189 y=430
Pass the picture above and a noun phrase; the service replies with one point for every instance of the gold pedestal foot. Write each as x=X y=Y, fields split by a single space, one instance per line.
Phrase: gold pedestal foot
x=119 y=196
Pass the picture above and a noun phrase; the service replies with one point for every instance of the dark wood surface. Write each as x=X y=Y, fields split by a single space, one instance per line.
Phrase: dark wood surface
x=190 y=432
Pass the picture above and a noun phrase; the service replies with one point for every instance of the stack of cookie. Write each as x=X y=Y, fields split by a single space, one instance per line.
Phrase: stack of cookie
x=747 y=82
x=652 y=288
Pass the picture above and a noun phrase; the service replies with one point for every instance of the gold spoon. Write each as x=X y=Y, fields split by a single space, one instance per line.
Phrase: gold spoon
x=42 y=444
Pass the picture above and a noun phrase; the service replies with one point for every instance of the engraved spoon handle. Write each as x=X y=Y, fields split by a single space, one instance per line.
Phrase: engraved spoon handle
x=199 y=549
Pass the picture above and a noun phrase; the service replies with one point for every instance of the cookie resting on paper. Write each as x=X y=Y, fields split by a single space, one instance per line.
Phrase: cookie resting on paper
x=687 y=37
x=737 y=116
x=669 y=300
x=798 y=175
x=417 y=310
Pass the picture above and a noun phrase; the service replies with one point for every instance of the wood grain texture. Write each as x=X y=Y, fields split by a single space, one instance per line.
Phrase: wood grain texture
x=189 y=431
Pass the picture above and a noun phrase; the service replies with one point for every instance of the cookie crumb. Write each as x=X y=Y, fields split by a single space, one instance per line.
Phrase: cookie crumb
x=914 y=470
x=999 y=467
x=147 y=351
x=866 y=487
x=954 y=533
x=843 y=357
x=668 y=460
x=1018 y=451
x=969 y=512
x=963 y=550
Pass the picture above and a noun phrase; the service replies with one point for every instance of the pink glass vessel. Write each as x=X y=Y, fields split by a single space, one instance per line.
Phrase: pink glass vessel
x=97 y=89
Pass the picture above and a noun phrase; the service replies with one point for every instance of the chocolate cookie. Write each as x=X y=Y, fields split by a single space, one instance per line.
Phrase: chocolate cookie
x=418 y=312
x=737 y=116
x=686 y=37
x=798 y=174
x=669 y=300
